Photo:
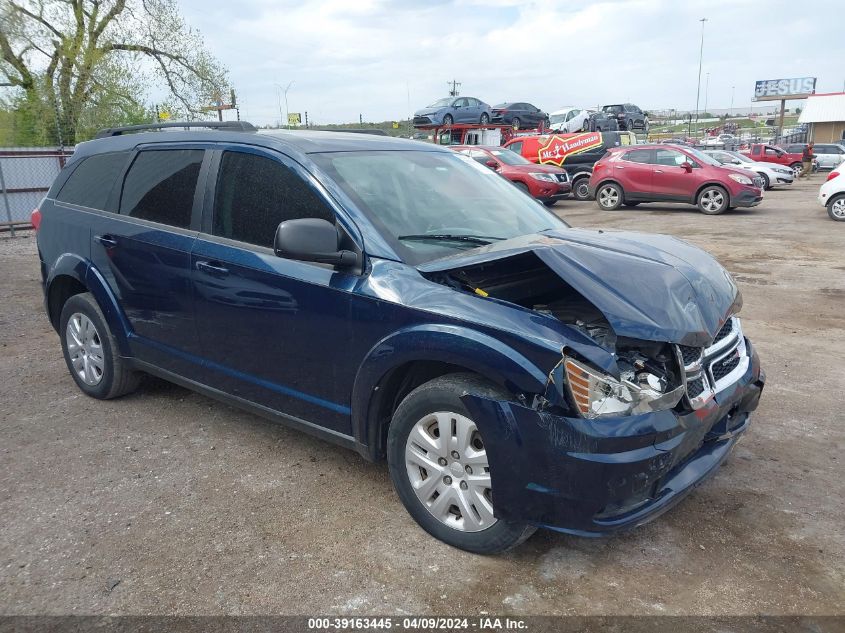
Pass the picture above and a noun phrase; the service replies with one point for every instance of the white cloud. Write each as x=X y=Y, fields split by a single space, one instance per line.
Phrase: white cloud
x=365 y=56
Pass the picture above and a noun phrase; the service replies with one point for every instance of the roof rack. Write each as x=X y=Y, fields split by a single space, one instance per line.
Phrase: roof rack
x=230 y=126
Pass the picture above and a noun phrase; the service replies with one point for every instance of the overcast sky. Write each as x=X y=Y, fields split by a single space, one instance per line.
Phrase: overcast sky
x=384 y=59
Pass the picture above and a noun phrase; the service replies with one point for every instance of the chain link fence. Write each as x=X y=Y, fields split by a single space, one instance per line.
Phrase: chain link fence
x=26 y=174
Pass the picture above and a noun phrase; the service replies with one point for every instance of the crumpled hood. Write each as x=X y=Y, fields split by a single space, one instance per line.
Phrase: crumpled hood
x=651 y=287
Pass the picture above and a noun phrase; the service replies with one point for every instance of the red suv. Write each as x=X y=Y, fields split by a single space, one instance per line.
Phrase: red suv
x=546 y=183
x=626 y=176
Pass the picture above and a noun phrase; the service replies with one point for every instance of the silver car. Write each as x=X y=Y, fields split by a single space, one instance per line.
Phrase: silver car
x=829 y=155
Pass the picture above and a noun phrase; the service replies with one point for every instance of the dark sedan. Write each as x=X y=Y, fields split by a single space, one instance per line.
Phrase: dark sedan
x=522 y=116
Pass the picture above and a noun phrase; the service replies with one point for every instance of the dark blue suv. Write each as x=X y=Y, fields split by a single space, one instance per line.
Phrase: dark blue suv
x=406 y=302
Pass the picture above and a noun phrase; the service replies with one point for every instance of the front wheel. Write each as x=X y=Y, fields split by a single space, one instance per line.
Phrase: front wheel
x=440 y=469
x=713 y=200
x=447 y=119
x=581 y=188
x=549 y=203
x=796 y=169
x=485 y=118
x=516 y=123
x=836 y=208
x=609 y=197
x=766 y=184
x=91 y=352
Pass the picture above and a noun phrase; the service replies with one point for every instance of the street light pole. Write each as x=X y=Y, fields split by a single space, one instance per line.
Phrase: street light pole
x=287 y=112
x=698 y=86
x=731 y=111
x=706 y=91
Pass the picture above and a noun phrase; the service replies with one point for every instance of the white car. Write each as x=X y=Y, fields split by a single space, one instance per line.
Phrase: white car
x=570 y=119
x=832 y=195
x=771 y=173
x=720 y=141
x=829 y=155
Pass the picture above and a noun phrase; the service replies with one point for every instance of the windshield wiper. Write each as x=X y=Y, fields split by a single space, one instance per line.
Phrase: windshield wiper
x=472 y=239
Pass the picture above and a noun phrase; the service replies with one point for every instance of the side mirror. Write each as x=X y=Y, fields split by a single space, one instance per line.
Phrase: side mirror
x=687 y=167
x=312 y=240
x=491 y=164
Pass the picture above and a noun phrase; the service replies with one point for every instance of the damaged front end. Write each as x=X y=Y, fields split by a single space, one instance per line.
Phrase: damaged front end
x=610 y=446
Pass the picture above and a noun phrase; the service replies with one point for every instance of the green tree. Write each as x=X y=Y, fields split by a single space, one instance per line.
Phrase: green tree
x=84 y=59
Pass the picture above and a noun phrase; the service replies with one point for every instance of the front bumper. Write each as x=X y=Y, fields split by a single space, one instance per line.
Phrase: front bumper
x=747 y=198
x=594 y=477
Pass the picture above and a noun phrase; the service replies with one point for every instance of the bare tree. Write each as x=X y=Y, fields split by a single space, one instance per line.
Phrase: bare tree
x=68 y=52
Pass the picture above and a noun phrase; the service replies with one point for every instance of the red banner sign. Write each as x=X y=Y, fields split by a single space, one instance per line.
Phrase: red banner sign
x=555 y=151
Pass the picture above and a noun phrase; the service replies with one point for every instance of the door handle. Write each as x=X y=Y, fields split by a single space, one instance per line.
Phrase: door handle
x=212 y=268
x=620 y=167
x=106 y=240
x=658 y=171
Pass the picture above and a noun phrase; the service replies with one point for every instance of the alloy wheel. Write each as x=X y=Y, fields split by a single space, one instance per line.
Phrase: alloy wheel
x=85 y=349
x=608 y=197
x=712 y=200
x=448 y=469
x=837 y=209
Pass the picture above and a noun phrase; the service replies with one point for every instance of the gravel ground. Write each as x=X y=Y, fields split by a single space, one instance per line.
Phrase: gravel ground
x=165 y=502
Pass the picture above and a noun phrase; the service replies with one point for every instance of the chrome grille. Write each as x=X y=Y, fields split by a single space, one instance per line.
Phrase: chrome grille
x=709 y=370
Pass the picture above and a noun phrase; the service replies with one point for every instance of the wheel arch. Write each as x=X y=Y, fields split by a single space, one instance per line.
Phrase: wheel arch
x=73 y=275
x=404 y=360
x=713 y=183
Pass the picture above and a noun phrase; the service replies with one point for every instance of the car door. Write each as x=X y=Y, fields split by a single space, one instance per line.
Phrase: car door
x=634 y=171
x=272 y=330
x=671 y=181
x=143 y=252
x=461 y=110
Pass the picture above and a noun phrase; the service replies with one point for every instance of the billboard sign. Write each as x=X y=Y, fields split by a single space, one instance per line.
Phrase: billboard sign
x=558 y=148
x=294 y=118
x=776 y=89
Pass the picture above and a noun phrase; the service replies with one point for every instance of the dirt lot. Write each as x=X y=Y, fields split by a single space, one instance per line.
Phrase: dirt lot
x=165 y=502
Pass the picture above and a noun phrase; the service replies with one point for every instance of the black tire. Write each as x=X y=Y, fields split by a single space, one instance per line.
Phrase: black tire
x=585 y=127
x=581 y=188
x=630 y=125
x=766 y=184
x=444 y=394
x=447 y=119
x=485 y=118
x=707 y=198
x=549 y=203
x=796 y=167
x=523 y=187
x=836 y=213
x=515 y=123
x=117 y=378
x=629 y=205
x=609 y=196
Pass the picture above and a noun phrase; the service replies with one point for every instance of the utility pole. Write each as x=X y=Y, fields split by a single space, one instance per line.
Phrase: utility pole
x=731 y=111
x=698 y=86
x=453 y=87
x=706 y=92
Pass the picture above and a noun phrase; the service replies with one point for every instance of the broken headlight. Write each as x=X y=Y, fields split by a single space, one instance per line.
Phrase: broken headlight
x=598 y=395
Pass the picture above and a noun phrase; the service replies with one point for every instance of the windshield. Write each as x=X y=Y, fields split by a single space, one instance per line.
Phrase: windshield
x=702 y=157
x=441 y=103
x=739 y=156
x=433 y=199
x=557 y=118
x=509 y=157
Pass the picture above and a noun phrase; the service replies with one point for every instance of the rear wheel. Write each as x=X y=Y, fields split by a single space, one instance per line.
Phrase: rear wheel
x=609 y=196
x=516 y=123
x=91 y=352
x=796 y=168
x=581 y=188
x=439 y=466
x=485 y=118
x=836 y=208
x=630 y=125
x=713 y=200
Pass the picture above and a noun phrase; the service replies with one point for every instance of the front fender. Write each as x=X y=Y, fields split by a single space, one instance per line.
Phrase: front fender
x=450 y=344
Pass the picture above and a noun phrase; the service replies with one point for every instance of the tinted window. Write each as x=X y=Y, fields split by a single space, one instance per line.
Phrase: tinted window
x=160 y=186
x=638 y=156
x=516 y=147
x=91 y=182
x=255 y=194
x=670 y=158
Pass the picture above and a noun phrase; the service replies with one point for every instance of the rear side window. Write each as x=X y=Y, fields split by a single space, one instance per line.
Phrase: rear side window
x=516 y=147
x=638 y=156
x=160 y=186
x=91 y=182
x=255 y=194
